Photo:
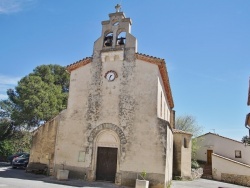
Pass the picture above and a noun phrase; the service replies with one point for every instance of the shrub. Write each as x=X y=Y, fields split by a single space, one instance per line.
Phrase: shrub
x=195 y=164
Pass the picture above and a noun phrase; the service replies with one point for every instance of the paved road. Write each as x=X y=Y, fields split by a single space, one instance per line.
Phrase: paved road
x=202 y=183
x=17 y=178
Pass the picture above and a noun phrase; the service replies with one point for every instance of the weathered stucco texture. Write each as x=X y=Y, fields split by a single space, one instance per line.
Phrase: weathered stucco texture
x=182 y=154
x=128 y=104
x=131 y=113
x=43 y=143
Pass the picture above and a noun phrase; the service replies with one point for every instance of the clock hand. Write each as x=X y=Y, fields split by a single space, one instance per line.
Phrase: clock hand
x=110 y=76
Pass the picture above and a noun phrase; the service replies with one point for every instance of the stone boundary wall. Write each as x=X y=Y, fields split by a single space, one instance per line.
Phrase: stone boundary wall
x=43 y=143
x=236 y=179
x=230 y=171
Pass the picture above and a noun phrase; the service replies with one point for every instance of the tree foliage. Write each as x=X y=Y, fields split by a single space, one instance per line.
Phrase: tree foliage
x=39 y=96
x=189 y=124
x=20 y=141
x=6 y=124
x=246 y=140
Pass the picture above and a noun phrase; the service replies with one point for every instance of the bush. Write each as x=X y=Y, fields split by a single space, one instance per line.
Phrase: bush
x=195 y=164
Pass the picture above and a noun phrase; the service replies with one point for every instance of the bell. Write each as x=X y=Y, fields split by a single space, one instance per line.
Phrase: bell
x=121 y=41
x=108 y=41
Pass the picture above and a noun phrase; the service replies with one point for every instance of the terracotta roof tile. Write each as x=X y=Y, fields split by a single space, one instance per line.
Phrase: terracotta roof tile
x=78 y=64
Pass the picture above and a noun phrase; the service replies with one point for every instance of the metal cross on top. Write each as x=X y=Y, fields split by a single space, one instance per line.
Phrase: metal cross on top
x=118 y=8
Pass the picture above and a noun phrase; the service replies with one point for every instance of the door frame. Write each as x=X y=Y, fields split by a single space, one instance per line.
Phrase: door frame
x=209 y=156
x=112 y=144
x=101 y=160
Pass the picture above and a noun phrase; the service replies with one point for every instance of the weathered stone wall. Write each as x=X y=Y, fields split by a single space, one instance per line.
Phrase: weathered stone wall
x=43 y=142
x=236 y=179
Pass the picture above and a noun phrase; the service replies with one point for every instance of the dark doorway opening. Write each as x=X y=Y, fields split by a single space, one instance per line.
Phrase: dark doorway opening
x=106 y=164
x=209 y=156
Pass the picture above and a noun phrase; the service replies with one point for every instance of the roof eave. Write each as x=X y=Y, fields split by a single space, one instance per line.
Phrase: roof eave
x=163 y=71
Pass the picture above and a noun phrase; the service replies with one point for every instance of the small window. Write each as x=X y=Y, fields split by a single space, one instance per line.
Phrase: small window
x=237 y=154
x=185 y=143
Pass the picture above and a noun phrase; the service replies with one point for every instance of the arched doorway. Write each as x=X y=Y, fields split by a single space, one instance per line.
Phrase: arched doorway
x=107 y=154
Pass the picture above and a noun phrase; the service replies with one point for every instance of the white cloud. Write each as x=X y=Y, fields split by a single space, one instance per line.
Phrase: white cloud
x=11 y=6
x=7 y=82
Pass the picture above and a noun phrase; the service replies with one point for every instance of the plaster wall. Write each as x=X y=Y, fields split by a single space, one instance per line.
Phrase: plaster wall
x=169 y=157
x=234 y=172
x=163 y=109
x=220 y=145
x=182 y=155
x=129 y=103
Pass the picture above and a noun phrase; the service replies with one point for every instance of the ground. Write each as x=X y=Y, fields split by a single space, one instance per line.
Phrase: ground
x=17 y=178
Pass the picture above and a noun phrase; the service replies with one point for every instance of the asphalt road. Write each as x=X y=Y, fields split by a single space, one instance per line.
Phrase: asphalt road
x=18 y=178
x=202 y=183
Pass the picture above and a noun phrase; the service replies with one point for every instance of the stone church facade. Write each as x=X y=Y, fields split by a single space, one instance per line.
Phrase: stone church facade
x=119 y=119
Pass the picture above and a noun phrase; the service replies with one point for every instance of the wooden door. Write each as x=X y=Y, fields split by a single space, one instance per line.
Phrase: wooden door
x=106 y=164
x=209 y=156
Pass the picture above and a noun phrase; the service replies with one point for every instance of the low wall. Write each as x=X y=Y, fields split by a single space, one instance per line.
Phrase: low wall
x=228 y=170
x=43 y=143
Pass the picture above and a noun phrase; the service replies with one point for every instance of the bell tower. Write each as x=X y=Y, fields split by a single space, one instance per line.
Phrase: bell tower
x=115 y=34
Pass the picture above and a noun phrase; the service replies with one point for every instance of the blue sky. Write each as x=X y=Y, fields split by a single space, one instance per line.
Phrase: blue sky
x=205 y=43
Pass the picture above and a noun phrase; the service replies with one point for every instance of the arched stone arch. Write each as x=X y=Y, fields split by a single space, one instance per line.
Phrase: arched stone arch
x=121 y=30
x=121 y=37
x=107 y=126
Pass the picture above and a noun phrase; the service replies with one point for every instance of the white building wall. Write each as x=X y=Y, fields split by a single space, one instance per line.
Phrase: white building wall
x=163 y=109
x=222 y=146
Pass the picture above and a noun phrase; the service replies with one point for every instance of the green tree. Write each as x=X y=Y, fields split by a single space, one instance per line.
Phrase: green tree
x=189 y=124
x=39 y=96
x=246 y=140
x=13 y=138
x=6 y=124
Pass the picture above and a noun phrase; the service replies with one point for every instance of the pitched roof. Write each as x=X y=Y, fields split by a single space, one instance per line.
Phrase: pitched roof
x=177 y=131
x=150 y=59
x=78 y=64
x=219 y=136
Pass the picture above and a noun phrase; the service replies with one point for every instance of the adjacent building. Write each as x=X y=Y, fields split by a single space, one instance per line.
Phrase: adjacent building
x=228 y=159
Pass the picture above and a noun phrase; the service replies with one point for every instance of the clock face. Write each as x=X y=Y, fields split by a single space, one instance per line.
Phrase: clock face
x=111 y=75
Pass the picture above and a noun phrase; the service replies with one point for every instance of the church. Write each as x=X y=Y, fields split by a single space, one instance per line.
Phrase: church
x=119 y=119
